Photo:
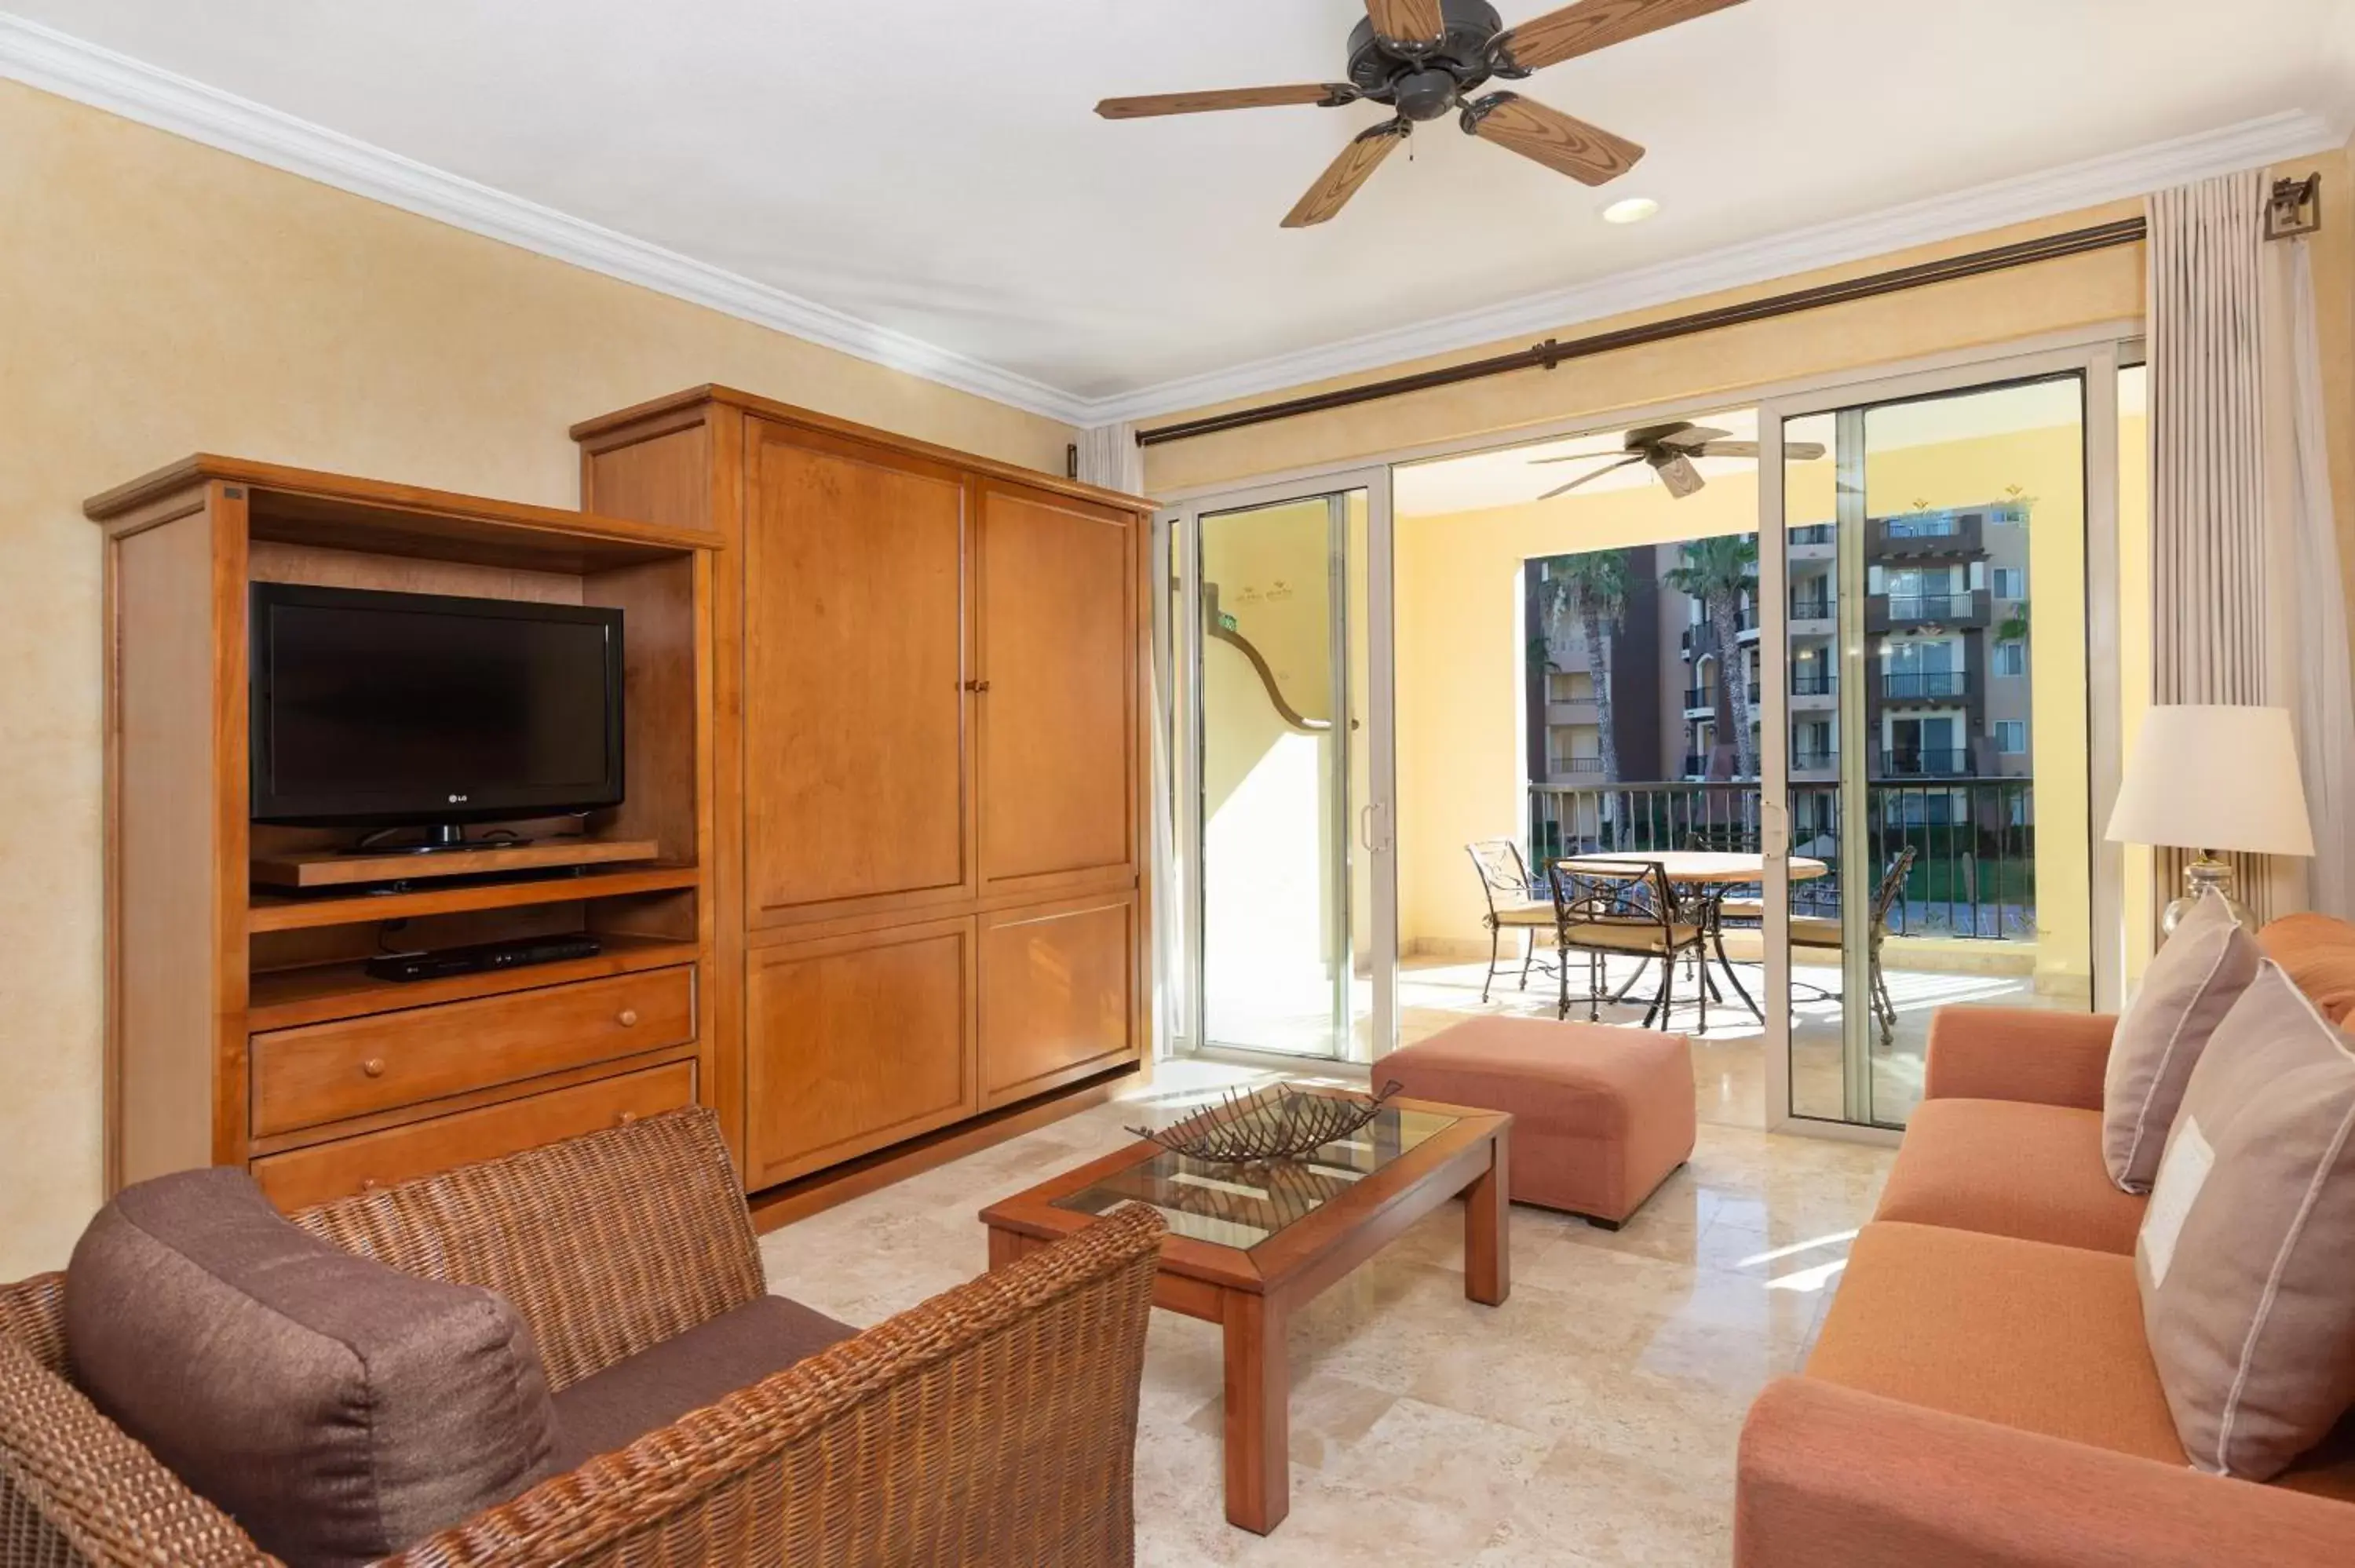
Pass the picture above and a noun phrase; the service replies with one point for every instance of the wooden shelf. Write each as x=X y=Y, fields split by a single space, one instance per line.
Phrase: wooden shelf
x=334 y=868
x=272 y=912
x=287 y=999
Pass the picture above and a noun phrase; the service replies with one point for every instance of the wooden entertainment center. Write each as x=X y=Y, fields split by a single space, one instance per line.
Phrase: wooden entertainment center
x=875 y=892
x=241 y=1026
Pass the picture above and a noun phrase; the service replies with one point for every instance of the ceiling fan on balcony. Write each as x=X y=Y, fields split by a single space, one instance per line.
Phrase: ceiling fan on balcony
x=1671 y=448
x=1426 y=59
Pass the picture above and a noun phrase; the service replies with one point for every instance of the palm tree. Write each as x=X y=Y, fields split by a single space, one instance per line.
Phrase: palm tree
x=1591 y=591
x=1719 y=571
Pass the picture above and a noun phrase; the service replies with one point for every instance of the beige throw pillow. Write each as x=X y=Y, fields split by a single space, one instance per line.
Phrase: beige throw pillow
x=2247 y=1297
x=2191 y=983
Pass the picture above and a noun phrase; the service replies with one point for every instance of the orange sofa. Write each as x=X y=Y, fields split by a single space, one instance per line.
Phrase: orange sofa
x=1981 y=1394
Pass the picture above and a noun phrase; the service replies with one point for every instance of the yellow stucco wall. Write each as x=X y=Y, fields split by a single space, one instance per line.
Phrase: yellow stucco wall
x=161 y=298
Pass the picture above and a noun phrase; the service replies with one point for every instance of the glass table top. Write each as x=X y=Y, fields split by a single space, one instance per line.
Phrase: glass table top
x=1243 y=1205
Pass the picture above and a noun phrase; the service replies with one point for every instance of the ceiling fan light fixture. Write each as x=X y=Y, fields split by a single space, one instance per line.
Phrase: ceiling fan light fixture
x=1632 y=210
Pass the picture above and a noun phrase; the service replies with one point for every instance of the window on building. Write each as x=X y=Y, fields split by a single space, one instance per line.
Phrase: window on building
x=2011 y=658
x=2010 y=582
x=2011 y=736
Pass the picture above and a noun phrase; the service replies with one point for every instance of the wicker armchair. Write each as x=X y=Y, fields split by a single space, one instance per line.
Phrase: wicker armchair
x=994 y=1424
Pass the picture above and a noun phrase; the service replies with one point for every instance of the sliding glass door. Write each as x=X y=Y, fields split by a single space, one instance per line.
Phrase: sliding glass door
x=1927 y=736
x=1284 y=770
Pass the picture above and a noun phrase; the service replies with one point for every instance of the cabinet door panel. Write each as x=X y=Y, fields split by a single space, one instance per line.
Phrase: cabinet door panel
x=1057 y=994
x=1058 y=727
x=854 y=752
x=854 y=1042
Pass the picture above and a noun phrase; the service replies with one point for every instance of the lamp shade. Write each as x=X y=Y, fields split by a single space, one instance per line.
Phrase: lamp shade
x=2214 y=778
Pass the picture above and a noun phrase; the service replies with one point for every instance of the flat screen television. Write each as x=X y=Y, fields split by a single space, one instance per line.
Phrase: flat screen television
x=375 y=709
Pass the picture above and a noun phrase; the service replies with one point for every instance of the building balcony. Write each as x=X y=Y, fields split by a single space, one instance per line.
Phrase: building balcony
x=1580 y=710
x=1816 y=542
x=1927 y=536
x=1575 y=768
x=1886 y=612
x=1702 y=639
x=1924 y=685
x=1916 y=762
x=1814 y=763
x=1814 y=688
x=1813 y=606
x=1701 y=701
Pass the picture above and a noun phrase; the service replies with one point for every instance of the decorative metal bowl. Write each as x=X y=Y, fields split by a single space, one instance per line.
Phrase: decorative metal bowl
x=1273 y=1123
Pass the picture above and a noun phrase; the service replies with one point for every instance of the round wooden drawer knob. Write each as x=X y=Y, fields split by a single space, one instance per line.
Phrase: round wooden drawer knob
x=373 y=1066
x=627 y=1018
x=626 y=1119
x=370 y=1184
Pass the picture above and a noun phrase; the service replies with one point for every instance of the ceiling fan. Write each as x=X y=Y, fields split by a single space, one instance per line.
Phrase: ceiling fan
x=1424 y=59
x=1671 y=448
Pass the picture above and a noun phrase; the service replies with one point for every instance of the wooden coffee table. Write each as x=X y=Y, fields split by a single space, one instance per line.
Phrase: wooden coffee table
x=1248 y=1245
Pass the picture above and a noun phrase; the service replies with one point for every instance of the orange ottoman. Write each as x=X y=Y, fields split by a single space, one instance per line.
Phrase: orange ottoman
x=1601 y=1116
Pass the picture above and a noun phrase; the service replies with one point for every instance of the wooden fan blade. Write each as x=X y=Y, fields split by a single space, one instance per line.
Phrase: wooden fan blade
x=1682 y=436
x=1589 y=478
x=1340 y=181
x=1324 y=94
x=1724 y=449
x=1408 y=21
x=1571 y=456
x=1802 y=451
x=1592 y=24
x=1586 y=152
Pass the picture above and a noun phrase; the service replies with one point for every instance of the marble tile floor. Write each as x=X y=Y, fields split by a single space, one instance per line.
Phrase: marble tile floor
x=1590 y=1420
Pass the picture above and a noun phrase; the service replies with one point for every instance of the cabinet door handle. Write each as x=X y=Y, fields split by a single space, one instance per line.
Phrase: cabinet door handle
x=627 y=1018
x=626 y=1119
x=373 y=1066
x=976 y=686
x=369 y=1184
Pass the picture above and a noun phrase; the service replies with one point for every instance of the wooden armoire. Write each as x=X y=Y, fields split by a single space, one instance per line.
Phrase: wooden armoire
x=929 y=772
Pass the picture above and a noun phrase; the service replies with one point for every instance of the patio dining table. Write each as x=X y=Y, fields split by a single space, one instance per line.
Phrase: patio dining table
x=1708 y=875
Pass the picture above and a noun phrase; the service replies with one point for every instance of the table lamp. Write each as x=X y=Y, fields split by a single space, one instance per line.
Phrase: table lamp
x=2209 y=776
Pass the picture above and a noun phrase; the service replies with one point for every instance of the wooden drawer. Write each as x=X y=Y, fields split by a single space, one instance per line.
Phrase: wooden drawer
x=326 y=1072
x=306 y=1176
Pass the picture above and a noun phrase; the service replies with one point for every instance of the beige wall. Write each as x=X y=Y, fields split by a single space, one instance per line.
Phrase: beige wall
x=158 y=297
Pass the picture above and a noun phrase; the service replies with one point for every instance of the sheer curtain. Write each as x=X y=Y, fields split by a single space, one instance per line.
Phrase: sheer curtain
x=1110 y=456
x=2246 y=600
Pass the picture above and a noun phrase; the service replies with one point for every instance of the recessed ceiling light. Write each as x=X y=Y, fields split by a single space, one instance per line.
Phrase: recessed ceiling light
x=1635 y=209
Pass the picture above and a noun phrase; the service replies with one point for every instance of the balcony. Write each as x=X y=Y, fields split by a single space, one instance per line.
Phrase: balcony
x=1570 y=765
x=1815 y=759
x=1915 y=762
x=1571 y=710
x=1926 y=536
x=1924 y=685
x=1885 y=612
x=1701 y=701
x=1702 y=639
x=1813 y=534
x=1813 y=606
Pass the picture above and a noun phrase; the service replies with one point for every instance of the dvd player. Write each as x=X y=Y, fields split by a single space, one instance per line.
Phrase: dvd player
x=439 y=963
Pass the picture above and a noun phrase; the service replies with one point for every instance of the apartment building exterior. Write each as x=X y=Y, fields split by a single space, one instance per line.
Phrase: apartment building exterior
x=1945 y=617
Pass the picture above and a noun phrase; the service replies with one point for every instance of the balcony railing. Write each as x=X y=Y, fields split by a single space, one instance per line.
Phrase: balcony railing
x=1807 y=683
x=1706 y=696
x=1974 y=873
x=1913 y=762
x=1925 y=525
x=1575 y=762
x=1929 y=605
x=1813 y=534
x=1907 y=685
x=1814 y=758
x=1814 y=606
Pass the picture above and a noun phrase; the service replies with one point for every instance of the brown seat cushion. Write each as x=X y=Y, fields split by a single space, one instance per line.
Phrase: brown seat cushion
x=2317 y=952
x=614 y=1408
x=2025 y=1334
x=339 y=1410
x=2010 y=1168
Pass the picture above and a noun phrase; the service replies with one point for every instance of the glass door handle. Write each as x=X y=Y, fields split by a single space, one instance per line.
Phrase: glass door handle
x=1366 y=826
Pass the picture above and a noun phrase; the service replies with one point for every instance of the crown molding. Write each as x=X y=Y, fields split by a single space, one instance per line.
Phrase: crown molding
x=1975 y=210
x=71 y=68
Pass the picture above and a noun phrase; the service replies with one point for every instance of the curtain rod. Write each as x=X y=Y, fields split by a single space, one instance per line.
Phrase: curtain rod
x=1547 y=355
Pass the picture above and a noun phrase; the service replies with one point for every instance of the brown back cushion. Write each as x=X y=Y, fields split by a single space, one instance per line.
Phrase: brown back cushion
x=2248 y=1295
x=2191 y=984
x=2317 y=952
x=339 y=1410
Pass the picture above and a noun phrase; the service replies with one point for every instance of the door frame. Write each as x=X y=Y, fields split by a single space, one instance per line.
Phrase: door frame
x=2097 y=361
x=1177 y=532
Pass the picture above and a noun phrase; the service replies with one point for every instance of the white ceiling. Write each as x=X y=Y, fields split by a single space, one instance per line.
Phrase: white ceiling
x=931 y=166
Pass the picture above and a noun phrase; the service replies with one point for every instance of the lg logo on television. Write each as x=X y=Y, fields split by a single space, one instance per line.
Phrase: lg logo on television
x=457 y=800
